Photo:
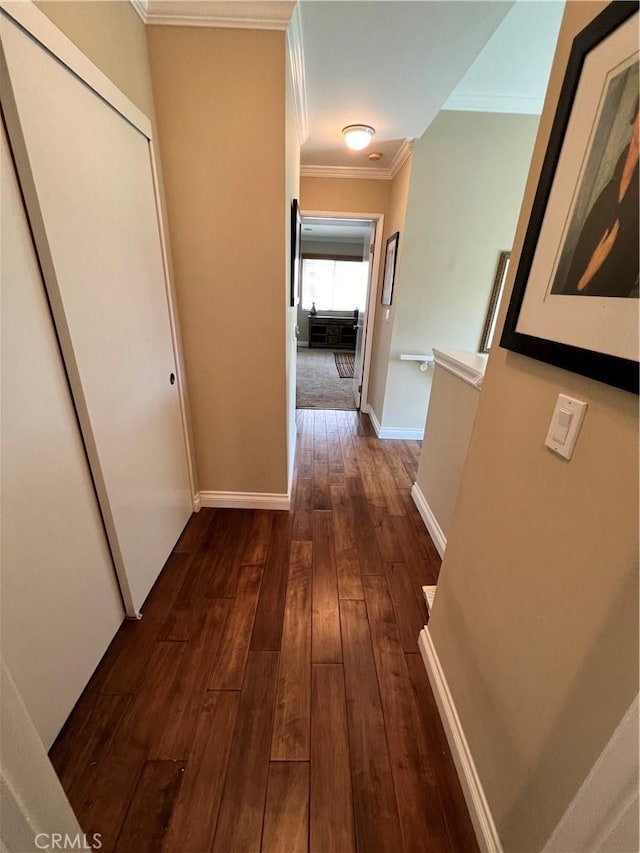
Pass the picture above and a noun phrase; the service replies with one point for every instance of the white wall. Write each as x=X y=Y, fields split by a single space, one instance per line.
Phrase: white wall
x=467 y=180
x=452 y=411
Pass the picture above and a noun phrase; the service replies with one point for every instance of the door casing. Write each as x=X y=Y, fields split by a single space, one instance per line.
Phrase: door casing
x=378 y=220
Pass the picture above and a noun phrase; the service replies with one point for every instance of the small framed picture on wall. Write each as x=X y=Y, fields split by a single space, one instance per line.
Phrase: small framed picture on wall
x=390 y=257
x=296 y=261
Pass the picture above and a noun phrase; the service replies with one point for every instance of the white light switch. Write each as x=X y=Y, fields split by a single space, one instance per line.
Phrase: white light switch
x=565 y=425
x=562 y=426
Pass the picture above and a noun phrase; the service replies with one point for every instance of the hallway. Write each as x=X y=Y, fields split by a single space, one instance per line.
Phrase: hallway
x=272 y=696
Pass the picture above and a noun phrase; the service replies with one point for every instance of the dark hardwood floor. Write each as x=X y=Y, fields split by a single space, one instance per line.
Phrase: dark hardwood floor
x=273 y=697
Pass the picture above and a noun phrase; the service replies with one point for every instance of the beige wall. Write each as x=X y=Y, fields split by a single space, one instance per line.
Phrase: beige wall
x=452 y=411
x=467 y=180
x=536 y=615
x=112 y=35
x=345 y=195
x=394 y=221
x=220 y=107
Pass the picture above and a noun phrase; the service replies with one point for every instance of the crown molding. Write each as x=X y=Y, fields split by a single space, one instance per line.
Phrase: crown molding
x=482 y=103
x=140 y=7
x=362 y=172
x=402 y=155
x=179 y=14
x=295 y=50
x=214 y=21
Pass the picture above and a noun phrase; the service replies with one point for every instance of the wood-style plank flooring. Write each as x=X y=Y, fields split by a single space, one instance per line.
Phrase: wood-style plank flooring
x=272 y=697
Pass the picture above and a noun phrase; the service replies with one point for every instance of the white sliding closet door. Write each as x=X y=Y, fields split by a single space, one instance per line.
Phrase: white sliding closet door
x=60 y=600
x=86 y=174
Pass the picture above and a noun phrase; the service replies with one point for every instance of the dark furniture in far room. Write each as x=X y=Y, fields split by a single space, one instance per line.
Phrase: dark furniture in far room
x=332 y=332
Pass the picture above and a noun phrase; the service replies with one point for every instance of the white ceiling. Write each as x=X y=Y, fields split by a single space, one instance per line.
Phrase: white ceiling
x=388 y=64
x=512 y=70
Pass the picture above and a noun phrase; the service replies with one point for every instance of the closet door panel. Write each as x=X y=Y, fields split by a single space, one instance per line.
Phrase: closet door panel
x=88 y=183
x=60 y=601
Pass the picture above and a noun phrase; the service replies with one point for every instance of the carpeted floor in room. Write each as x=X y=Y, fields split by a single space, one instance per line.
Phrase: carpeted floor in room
x=318 y=384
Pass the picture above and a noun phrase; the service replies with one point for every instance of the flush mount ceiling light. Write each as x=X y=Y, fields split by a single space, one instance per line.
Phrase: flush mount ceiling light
x=357 y=136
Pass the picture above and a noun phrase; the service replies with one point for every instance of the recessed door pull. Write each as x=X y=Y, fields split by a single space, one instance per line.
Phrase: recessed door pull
x=172 y=378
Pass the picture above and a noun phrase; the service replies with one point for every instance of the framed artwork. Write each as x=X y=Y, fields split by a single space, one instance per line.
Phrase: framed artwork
x=390 y=268
x=296 y=244
x=575 y=295
x=494 y=302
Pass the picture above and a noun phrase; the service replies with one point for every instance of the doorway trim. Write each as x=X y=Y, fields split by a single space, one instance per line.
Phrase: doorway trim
x=378 y=219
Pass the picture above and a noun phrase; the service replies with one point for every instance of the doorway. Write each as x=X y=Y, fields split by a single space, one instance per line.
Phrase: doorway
x=340 y=254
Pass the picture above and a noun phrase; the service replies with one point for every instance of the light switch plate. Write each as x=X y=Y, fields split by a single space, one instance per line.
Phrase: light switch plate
x=561 y=439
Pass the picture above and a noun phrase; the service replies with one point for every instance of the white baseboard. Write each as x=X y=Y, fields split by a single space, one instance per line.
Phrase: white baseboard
x=197 y=502
x=303 y=344
x=392 y=432
x=430 y=521
x=368 y=410
x=479 y=810
x=245 y=500
x=400 y=432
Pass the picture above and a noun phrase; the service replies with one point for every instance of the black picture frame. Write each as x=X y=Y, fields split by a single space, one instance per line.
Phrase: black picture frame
x=296 y=252
x=614 y=370
x=389 y=276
